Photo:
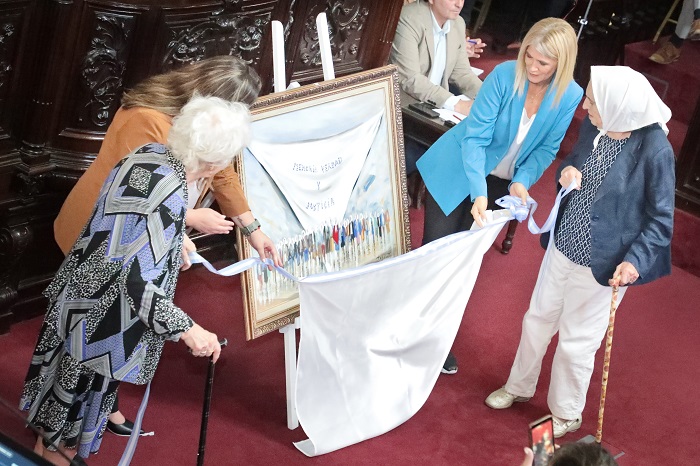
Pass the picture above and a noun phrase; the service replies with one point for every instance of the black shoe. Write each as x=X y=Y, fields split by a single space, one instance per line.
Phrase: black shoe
x=450 y=366
x=123 y=430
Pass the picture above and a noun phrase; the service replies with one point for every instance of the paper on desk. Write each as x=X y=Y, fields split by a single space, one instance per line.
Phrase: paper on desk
x=477 y=71
x=450 y=115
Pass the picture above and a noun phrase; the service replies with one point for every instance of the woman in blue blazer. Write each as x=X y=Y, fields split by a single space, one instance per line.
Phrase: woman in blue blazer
x=511 y=135
x=614 y=230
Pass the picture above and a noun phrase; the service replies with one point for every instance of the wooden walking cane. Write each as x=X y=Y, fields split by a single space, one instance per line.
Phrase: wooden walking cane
x=606 y=359
x=207 y=405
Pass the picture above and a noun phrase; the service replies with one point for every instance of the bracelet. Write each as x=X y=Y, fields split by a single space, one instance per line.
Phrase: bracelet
x=248 y=230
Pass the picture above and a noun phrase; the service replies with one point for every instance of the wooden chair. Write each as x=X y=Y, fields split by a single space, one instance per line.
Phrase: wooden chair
x=482 y=7
x=666 y=20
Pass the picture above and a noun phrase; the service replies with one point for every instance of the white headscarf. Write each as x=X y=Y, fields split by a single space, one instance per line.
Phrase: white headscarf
x=625 y=100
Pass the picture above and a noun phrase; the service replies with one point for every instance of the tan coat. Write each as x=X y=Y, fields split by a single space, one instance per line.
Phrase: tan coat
x=130 y=129
x=413 y=49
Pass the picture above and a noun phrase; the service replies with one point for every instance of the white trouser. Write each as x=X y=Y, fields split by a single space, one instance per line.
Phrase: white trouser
x=569 y=300
x=685 y=19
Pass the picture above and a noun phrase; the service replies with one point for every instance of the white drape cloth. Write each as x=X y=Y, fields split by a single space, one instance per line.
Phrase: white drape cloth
x=625 y=100
x=317 y=176
x=374 y=338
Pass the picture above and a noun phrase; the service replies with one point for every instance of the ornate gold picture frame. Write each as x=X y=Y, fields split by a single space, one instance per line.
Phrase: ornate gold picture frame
x=325 y=175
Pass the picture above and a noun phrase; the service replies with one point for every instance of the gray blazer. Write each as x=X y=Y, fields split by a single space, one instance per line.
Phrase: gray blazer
x=413 y=49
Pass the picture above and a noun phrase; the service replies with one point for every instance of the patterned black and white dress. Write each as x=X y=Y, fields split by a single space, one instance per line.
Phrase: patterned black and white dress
x=111 y=303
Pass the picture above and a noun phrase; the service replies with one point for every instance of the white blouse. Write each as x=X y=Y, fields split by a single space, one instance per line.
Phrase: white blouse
x=506 y=167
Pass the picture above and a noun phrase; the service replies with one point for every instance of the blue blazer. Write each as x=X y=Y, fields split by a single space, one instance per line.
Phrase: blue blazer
x=457 y=164
x=632 y=212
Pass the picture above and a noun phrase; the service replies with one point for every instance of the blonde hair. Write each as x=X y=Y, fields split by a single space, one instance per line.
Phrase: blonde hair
x=226 y=77
x=555 y=39
x=209 y=130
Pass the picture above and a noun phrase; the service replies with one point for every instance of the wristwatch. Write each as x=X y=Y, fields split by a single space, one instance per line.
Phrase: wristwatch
x=248 y=230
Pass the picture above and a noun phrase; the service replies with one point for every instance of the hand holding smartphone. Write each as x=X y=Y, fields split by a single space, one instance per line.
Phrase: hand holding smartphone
x=542 y=440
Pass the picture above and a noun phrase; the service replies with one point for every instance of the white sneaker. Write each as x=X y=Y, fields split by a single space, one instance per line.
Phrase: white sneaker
x=501 y=399
x=562 y=426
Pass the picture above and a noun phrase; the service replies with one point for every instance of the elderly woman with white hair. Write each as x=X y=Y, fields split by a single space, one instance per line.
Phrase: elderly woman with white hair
x=615 y=228
x=111 y=303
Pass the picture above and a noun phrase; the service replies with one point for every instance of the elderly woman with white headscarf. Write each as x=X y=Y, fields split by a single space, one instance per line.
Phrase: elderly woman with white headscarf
x=615 y=228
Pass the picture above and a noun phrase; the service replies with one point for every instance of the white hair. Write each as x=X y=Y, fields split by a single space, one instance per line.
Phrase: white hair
x=209 y=130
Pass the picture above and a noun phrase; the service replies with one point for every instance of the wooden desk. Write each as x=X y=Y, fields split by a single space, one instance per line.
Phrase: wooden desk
x=425 y=131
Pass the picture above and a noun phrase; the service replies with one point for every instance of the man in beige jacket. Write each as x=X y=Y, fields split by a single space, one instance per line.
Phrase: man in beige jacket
x=430 y=50
x=415 y=52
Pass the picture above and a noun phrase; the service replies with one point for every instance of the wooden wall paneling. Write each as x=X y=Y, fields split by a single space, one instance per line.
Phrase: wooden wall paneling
x=354 y=44
x=65 y=63
x=29 y=257
x=380 y=30
x=102 y=52
x=56 y=27
x=14 y=34
x=97 y=69
x=22 y=199
x=239 y=27
x=15 y=238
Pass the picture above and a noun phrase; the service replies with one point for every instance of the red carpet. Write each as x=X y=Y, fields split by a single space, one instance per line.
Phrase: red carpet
x=651 y=413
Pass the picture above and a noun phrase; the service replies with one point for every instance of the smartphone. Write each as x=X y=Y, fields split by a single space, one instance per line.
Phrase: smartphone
x=424 y=109
x=542 y=440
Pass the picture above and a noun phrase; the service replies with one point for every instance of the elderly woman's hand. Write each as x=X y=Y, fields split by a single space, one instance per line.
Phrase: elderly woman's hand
x=265 y=247
x=625 y=274
x=478 y=211
x=201 y=343
x=568 y=175
x=208 y=221
x=187 y=247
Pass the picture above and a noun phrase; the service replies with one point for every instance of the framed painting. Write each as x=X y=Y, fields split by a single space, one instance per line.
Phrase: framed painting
x=325 y=176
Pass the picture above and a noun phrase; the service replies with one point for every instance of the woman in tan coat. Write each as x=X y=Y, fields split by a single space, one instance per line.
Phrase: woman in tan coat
x=145 y=117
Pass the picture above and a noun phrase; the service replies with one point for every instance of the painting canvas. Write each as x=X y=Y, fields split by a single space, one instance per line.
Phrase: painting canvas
x=325 y=176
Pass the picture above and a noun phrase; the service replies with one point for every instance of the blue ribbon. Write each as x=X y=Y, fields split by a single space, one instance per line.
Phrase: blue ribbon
x=136 y=432
x=521 y=212
x=240 y=266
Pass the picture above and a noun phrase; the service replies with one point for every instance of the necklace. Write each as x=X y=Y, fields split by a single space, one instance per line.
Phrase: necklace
x=539 y=93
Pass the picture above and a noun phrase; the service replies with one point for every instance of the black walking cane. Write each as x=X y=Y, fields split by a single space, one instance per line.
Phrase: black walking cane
x=207 y=404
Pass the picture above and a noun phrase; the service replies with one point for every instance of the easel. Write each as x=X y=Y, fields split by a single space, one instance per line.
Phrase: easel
x=290 y=370
x=289 y=331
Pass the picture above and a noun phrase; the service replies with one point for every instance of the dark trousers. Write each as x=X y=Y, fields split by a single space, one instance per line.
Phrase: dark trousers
x=412 y=152
x=437 y=225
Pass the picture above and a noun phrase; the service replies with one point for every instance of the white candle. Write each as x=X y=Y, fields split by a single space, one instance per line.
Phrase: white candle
x=278 y=56
x=324 y=43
